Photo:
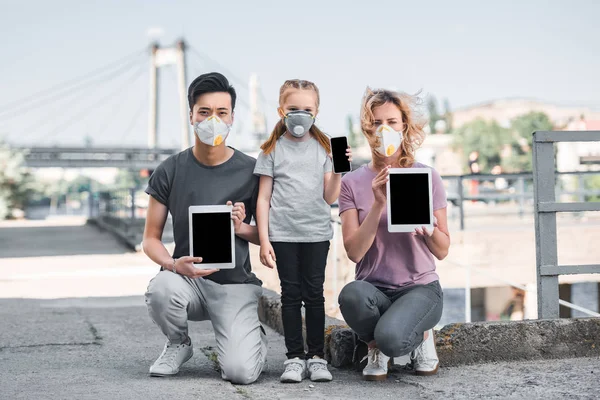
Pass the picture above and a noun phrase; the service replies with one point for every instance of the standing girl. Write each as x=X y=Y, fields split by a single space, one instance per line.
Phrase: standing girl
x=296 y=189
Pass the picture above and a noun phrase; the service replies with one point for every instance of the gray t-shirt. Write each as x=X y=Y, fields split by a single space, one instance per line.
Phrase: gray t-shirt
x=299 y=213
x=182 y=181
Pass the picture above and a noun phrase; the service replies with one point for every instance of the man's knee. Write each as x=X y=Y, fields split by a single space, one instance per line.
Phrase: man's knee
x=161 y=291
x=354 y=293
x=238 y=372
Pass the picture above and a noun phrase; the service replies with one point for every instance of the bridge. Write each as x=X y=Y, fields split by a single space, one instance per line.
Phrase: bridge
x=110 y=89
x=95 y=157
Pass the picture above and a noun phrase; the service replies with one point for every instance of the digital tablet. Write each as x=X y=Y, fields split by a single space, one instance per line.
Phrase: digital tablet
x=409 y=199
x=212 y=236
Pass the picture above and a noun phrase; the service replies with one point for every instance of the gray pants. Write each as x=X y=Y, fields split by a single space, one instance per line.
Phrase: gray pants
x=233 y=310
x=395 y=319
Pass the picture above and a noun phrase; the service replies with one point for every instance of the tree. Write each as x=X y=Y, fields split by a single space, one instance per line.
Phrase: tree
x=352 y=134
x=522 y=128
x=17 y=185
x=448 y=116
x=432 y=111
x=485 y=137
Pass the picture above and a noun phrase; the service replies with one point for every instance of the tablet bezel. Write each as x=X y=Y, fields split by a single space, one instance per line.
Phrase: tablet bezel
x=406 y=227
x=206 y=210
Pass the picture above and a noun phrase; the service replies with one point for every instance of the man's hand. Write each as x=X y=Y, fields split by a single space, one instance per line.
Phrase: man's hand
x=185 y=266
x=238 y=215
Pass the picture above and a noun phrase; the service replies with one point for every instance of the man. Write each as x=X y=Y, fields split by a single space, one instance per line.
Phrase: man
x=209 y=173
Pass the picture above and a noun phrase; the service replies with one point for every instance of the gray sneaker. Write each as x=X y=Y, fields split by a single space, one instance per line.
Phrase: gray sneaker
x=295 y=371
x=172 y=357
x=317 y=370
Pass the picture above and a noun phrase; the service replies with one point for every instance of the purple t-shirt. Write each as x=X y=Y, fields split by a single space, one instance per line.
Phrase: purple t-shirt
x=394 y=259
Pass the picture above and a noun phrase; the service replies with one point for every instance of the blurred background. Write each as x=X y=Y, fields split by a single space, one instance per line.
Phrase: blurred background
x=93 y=97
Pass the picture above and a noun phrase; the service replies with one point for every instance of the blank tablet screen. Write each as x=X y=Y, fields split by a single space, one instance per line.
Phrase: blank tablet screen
x=212 y=237
x=409 y=199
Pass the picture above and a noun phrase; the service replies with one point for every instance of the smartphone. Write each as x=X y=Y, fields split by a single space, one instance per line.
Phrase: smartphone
x=339 y=146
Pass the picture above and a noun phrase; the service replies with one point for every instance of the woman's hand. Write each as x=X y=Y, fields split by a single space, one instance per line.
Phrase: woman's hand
x=379 y=186
x=424 y=232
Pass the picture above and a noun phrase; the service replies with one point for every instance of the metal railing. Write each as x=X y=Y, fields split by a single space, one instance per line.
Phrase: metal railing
x=514 y=187
x=546 y=207
x=470 y=270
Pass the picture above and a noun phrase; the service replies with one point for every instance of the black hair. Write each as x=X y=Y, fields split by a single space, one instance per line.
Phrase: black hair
x=210 y=83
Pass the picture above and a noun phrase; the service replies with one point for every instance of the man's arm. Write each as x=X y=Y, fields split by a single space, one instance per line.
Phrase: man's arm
x=156 y=216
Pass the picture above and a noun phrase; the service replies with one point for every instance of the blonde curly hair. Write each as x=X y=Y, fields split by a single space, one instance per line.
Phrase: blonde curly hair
x=413 y=122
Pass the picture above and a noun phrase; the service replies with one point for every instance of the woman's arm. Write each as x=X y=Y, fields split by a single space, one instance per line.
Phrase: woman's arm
x=358 y=238
x=439 y=242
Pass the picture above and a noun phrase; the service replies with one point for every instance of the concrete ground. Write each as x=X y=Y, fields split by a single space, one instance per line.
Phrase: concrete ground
x=101 y=348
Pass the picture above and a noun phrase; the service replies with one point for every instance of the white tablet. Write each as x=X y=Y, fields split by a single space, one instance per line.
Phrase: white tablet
x=409 y=199
x=212 y=236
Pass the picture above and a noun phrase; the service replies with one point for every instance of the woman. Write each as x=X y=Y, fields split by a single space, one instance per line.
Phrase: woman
x=396 y=298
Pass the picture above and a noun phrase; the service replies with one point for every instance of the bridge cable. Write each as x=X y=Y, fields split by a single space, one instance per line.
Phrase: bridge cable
x=86 y=110
x=61 y=90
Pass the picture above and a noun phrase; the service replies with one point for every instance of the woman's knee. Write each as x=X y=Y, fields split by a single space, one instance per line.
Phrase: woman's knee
x=354 y=293
x=393 y=342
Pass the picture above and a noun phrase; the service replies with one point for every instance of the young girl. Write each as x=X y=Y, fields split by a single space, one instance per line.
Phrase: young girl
x=296 y=189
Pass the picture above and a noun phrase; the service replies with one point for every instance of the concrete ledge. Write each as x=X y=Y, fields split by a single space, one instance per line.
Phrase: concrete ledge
x=459 y=344
x=462 y=343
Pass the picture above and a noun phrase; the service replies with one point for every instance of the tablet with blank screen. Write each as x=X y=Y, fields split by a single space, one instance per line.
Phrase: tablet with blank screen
x=212 y=236
x=409 y=199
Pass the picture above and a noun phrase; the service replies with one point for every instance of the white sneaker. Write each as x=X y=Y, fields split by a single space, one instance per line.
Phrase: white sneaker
x=425 y=359
x=295 y=371
x=317 y=370
x=172 y=357
x=377 y=366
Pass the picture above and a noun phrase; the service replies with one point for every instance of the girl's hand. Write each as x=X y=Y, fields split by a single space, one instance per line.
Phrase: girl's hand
x=267 y=255
x=349 y=154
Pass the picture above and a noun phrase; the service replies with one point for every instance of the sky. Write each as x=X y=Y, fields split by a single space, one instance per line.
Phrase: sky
x=464 y=51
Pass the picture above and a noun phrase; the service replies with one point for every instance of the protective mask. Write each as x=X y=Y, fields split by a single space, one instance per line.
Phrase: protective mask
x=299 y=122
x=212 y=131
x=389 y=140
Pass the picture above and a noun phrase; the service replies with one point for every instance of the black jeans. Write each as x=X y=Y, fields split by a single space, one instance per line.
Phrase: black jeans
x=301 y=268
x=395 y=318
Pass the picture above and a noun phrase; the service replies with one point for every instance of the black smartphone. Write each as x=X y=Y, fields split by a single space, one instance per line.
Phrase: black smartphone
x=339 y=146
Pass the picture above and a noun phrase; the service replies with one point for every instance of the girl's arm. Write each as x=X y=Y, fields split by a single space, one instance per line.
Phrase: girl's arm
x=263 y=204
x=331 y=187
